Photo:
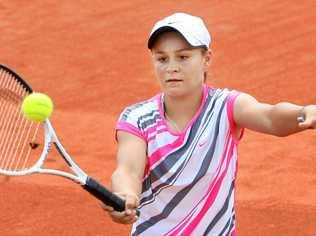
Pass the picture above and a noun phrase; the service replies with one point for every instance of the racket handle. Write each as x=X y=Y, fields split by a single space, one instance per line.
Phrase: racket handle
x=106 y=196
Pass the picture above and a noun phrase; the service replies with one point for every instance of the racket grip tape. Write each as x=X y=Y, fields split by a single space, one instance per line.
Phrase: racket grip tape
x=105 y=195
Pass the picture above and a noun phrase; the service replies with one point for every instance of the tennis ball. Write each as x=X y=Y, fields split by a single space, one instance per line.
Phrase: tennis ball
x=37 y=107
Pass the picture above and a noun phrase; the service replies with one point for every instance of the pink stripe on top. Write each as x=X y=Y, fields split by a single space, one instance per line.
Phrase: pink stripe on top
x=230 y=111
x=161 y=152
x=124 y=126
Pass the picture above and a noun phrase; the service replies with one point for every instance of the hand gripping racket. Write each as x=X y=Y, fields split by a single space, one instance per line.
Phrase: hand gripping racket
x=20 y=139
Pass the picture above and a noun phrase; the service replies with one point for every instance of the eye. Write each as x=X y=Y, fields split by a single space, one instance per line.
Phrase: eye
x=162 y=59
x=184 y=57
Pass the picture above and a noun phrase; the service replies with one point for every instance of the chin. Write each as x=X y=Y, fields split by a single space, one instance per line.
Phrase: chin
x=174 y=91
x=181 y=91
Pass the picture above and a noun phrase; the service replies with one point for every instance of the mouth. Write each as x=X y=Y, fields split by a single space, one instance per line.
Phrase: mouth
x=173 y=80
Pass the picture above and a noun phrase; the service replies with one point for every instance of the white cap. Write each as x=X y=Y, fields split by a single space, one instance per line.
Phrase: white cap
x=192 y=28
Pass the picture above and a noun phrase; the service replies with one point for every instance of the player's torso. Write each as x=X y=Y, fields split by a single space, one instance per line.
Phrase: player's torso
x=186 y=165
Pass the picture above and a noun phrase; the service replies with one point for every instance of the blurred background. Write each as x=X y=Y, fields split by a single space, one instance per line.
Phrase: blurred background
x=91 y=58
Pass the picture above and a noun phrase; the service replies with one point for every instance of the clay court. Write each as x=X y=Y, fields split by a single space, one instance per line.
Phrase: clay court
x=91 y=58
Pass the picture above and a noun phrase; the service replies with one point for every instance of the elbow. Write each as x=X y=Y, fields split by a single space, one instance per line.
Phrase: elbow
x=277 y=127
x=280 y=132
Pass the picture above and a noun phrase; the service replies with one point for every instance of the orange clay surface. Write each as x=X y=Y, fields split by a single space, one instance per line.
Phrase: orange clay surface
x=91 y=58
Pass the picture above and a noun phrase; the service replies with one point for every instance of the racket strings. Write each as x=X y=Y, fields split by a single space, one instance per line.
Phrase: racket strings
x=17 y=134
x=5 y=113
x=7 y=139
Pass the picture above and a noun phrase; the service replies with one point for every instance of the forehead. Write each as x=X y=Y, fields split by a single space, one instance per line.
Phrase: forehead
x=170 y=40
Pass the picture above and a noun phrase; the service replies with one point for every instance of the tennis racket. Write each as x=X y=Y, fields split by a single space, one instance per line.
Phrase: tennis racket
x=25 y=145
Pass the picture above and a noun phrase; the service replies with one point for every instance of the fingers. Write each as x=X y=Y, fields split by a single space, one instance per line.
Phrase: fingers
x=124 y=217
x=107 y=208
x=131 y=201
x=307 y=117
x=307 y=124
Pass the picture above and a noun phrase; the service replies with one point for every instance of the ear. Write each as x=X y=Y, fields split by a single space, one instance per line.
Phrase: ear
x=207 y=59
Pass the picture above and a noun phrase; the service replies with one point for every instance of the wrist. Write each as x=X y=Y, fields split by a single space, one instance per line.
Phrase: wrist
x=306 y=111
x=301 y=115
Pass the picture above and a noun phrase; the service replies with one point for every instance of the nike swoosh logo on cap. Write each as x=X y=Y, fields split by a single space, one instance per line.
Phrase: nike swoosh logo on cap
x=172 y=22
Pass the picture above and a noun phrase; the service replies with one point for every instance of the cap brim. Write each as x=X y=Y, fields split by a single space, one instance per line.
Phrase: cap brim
x=159 y=31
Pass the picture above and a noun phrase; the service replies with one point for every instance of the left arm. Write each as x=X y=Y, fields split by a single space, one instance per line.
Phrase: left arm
x=280 y=119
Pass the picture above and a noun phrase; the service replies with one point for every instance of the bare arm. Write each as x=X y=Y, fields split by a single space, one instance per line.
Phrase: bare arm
x=127 y=178
x=131 y=161
x=279 y=119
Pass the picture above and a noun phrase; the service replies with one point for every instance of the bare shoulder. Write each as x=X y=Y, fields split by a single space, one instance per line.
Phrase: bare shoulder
x=244 y=99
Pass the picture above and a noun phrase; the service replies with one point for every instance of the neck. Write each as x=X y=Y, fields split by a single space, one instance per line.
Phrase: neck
x=181 y=110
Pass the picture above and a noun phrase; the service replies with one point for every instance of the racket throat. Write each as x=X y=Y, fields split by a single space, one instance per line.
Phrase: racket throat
x=61 y=153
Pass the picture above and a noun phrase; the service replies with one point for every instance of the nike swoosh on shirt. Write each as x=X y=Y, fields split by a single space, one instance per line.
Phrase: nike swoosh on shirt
x=202 y=143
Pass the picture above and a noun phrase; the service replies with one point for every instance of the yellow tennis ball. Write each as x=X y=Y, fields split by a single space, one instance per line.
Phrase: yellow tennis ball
x=37 y=107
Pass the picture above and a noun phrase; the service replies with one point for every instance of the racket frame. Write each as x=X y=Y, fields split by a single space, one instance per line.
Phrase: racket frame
x=50 y=138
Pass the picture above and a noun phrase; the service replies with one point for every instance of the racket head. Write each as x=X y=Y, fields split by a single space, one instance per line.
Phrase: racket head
x=23 y=144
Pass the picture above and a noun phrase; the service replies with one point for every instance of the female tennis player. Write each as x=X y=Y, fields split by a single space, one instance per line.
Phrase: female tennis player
x=177 y=151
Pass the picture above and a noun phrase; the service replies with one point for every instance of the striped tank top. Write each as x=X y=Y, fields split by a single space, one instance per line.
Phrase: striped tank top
x=189 y=180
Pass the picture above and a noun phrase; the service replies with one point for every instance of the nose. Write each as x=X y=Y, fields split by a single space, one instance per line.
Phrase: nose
x=173 y=66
